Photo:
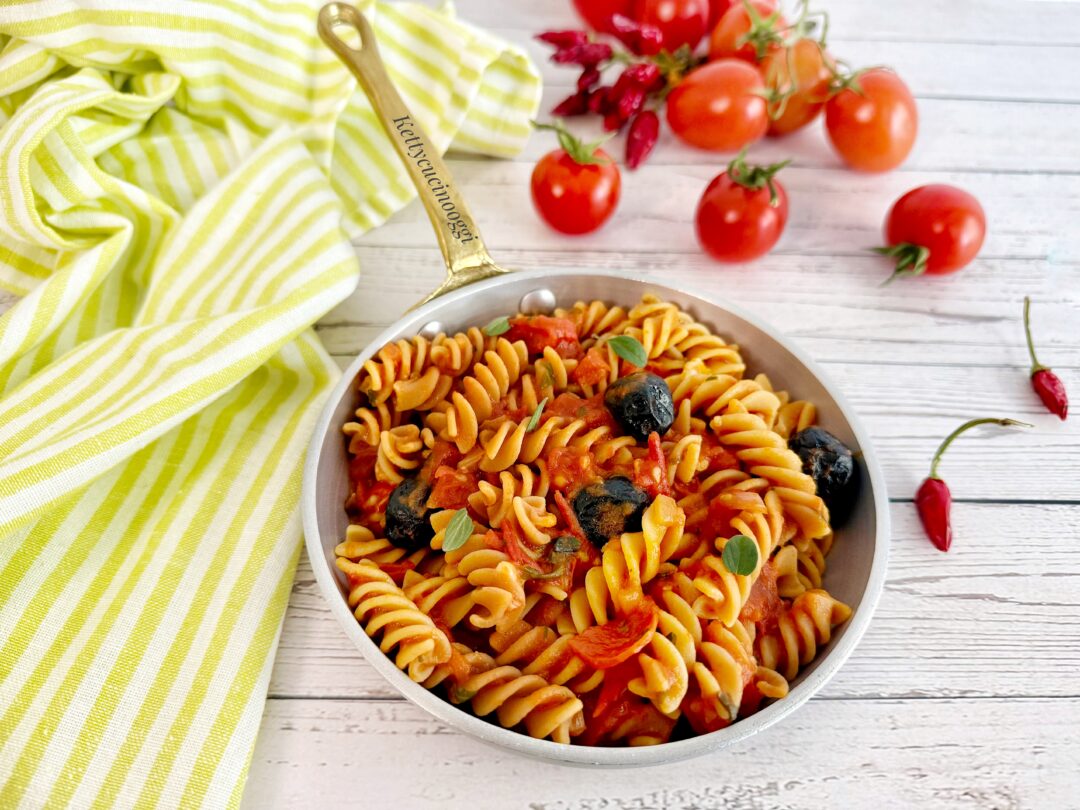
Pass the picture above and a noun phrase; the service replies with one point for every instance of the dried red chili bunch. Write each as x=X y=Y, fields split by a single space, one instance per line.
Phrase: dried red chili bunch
x=639 y=87
x=1047 y=384
x=934 y=500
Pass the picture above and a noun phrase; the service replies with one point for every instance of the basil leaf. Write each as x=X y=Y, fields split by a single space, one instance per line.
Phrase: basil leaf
x=497 y=327
x=740 y=555
x=567 y=544
x=630 y=350
x=535 y=420
x=458 y=530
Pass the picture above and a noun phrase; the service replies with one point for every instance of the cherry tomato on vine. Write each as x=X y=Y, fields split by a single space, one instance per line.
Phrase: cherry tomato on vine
x=597 y=14
x=719 y=106
x=934 y=229
x=798 y=78
x=575 y=188
x=742 y=212
x=717 y=9
x=747 y=33
x=680 y=22
x=872 y=123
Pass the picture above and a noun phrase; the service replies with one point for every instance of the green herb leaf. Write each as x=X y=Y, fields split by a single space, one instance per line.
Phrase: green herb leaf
x=535 y=420
x=547 y=378
x=532 y=572
x=497 y=327
x=630 y=350
x=458 y=531
x=740 y=555
x=567 y=544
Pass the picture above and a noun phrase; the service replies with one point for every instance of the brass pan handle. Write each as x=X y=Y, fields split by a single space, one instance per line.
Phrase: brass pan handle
x=462 y=247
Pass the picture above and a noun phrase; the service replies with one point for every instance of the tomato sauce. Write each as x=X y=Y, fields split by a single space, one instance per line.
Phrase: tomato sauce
x=539 y=331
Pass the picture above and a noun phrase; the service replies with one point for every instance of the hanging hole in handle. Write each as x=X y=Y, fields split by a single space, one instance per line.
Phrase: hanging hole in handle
x=343 y=24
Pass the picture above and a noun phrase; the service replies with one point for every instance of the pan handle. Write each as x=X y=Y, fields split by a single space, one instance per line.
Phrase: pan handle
x=462 y=247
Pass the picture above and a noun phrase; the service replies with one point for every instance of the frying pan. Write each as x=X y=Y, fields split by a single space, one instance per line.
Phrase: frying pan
x=475 y=291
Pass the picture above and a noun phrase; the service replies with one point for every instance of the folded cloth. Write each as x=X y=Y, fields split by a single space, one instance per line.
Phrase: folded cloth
x=178 y=186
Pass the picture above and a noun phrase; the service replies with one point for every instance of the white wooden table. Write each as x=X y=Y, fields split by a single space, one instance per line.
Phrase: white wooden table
x=964 y=693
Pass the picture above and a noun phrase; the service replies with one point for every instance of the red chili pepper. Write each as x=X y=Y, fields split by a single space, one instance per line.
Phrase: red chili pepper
x=933 y=500
x=641 y=137
x=586 y=54
x=564 y=39
x=574 y=104
x=1047 y=384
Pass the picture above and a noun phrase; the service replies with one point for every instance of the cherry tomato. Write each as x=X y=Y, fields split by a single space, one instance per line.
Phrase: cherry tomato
x=719 y=106
x=575 y=197
x=736 y=223
x=717 y=9
x=873 y=128
x=727 y=38
x=680 y=22
x=597 y=14
x=807 y=93
x=934 y=229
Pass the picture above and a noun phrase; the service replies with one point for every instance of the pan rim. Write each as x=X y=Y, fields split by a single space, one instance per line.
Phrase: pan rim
x=826 y=667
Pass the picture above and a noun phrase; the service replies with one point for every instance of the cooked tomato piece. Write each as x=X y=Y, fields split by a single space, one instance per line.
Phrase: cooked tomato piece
x=701 y=713
x=443 y=454
x=516 y=548
x=546 y=612
x=650 y=473
x=606 y=645
x=764 y=605
x=592 y=369
x=371 y=498
x=718 y=523
x=716 y=456
x=570 y=468
x=452 y=488
x=362 y=465
x=397 y=571
x=615 y=686
x=539 y=331
x=592 y=410
x=751 y=699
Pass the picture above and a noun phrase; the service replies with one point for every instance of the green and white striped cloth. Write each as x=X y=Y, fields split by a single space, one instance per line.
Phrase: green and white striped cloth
x=178 y=185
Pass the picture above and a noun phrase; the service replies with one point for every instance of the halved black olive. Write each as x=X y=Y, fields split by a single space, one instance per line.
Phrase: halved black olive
x=608 y=508
x=641 y=403
x=828 y=461
x=407 y=514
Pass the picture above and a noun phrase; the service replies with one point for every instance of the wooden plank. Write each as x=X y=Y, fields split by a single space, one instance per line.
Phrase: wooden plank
x=996 y=616
x=834 y=307
x=918 y=754
x=833 y=211
x=985 y=21
x=954 y=136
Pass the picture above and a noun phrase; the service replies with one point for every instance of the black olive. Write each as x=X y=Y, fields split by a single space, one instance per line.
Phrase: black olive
x=608 y=508
x=829 y=462
x=641 y=403
x=407 y=514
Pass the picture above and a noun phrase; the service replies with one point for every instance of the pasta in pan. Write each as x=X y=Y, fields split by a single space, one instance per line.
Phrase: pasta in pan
x=589 y=526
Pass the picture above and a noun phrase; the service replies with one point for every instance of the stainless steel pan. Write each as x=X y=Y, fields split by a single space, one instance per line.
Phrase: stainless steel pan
x=477 y=290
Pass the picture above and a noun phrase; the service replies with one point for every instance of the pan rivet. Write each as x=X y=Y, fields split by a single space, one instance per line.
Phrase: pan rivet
x=538 y=302
x=430 y=329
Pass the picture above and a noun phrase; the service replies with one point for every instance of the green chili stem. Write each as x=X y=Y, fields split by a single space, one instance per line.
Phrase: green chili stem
x=967 y=426
x=1035 y=364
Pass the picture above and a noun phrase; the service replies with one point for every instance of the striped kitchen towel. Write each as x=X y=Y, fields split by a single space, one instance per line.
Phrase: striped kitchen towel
x=178 y=185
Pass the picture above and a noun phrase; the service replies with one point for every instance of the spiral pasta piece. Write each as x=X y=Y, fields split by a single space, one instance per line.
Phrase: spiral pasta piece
x=541 y=651
x=636 y=557
x=399 y=452
x=767 y=455
x=368 y=425
x=724 y=666
x=800 y=631
x=454 y=355
x=496 y=502
x=544 y=709
x=593 y=318
x=664 y=675
x=684 y=457
x=657 y=325
x=710 y=394
x=361 y=544
x=715 y=355
x=385 y=612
